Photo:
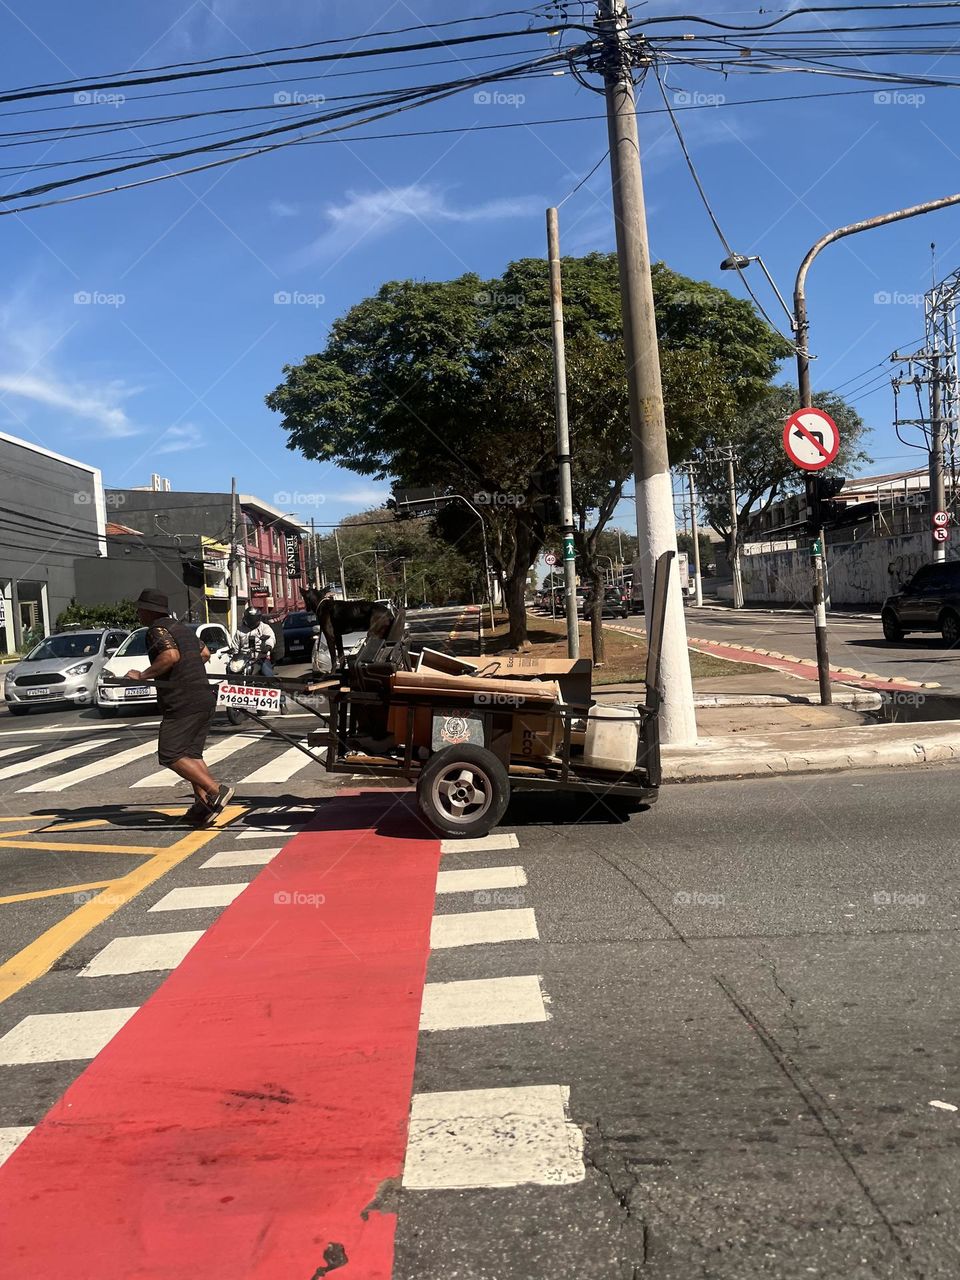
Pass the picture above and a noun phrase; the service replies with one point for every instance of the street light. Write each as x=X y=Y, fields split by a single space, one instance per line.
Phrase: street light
x=737 y=262
x=374 y=551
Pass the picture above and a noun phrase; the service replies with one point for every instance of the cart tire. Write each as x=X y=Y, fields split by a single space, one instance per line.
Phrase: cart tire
x=234 y=716
x=463 y=791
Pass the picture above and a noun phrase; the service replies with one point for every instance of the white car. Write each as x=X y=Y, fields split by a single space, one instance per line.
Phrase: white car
x=110 y=698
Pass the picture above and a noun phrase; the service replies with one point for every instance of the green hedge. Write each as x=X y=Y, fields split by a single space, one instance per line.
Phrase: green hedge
x=122 y=614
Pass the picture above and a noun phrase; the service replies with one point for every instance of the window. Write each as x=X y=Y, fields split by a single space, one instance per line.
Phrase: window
x=114 y=639
x=213 y=637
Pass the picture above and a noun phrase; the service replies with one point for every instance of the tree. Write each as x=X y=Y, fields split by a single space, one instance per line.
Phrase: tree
x=763 y=471
x=450 y=384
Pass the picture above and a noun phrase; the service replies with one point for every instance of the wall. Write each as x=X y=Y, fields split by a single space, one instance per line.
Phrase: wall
x=859 y=573
x=51 y=514
x=133 y=565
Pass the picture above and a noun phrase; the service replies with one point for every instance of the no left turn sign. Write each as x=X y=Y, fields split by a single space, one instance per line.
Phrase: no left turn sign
x=811 y=439
x=941 y=535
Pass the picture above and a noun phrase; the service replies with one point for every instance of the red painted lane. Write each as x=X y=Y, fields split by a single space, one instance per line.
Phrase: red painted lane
x=808 y=670
x=246 y=1118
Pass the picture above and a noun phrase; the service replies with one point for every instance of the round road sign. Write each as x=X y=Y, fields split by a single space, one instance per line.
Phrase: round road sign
x=940 y=519
x=811 y=439
x=549 y=558
x=941 y=535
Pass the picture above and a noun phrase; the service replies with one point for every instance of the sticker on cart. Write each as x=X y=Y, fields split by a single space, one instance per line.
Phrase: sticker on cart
x=247 y=697
x=453 y=729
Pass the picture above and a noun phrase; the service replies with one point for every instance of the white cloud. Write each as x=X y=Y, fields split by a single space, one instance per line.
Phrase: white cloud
x=365 y=497
x=280 y=209
x=376 y=213
x=100 y=405
x=32 y=376
x=180 y=438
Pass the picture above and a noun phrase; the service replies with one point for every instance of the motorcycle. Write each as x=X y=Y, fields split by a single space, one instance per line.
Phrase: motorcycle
x=252 y=669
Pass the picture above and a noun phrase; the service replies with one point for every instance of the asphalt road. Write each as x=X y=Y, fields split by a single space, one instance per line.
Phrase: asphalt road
x=754 y=994
x=853 y=642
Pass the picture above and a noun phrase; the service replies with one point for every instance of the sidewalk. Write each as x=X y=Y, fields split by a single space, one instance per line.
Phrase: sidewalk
x=769 y=723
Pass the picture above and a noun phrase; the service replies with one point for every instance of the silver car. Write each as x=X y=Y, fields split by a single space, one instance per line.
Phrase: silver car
x=62 y=668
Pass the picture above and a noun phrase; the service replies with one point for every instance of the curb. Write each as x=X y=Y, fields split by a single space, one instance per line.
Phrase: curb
x=838 y=614
x=836 y=673
x=868 y=747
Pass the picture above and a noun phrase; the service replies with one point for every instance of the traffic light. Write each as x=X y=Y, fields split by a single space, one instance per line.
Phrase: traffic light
x=545 y=486
x=822 y=510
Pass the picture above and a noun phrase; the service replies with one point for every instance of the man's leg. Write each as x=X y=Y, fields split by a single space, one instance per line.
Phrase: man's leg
x=198 y=775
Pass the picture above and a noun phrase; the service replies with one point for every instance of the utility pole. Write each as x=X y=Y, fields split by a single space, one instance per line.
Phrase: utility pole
x=656 y=525
x=376 y=570
x=734 y=533
x=695 y=534
x=403 y=570
x=563 y=435
x=343 y=580
x=232 y=563
x=938 y=493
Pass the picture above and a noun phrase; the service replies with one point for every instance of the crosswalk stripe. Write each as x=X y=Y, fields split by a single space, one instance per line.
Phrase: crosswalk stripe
x=478 y=878
x=61 y=1037
x=192 y=898
x=141 y=953
x=470 y=928
x=496 y=840
x=10 y=1139
x=493 y=1138
x=212 y=755
x=282 y=768
x=241 y=858
x=482 y=1002
x=95 y=770
x=12 y=751
x=43 y=759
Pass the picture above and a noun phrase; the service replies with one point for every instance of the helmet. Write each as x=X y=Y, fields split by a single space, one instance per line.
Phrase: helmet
x=252 y=617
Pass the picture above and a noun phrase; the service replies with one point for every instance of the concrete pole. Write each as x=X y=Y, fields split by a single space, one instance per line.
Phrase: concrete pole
x=343 y=580
x=563 y=436
x=232 y=566
x=656 y=523
x=734 y=535
x=695 y=530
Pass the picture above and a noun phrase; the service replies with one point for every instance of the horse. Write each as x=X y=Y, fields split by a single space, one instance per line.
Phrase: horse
x=336 y=617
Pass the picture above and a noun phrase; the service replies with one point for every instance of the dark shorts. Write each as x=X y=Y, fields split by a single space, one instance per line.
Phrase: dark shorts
x=183 y=734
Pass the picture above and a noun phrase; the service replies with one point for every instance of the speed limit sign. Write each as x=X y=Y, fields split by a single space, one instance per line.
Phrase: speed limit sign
x=550 y=558
x=940 y=519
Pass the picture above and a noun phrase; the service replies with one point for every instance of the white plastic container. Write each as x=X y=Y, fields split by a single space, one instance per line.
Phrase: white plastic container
x=613 y=736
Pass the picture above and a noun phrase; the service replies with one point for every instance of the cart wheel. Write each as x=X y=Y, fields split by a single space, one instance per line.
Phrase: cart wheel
x=234 y=716
x=463 y=791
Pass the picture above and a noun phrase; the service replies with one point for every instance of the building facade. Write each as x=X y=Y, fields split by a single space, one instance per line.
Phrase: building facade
x=263 y=576
x=52 y=517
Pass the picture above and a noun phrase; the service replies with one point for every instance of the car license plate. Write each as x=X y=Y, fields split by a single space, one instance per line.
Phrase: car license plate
x=248 y=697
x=37 y=693
x=136 y=690
x=295 y=644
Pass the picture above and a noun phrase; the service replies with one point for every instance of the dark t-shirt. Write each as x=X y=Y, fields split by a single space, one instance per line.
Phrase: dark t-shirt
x=184 y=688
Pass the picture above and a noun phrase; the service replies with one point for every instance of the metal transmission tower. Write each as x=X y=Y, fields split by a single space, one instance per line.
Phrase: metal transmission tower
x=935 y=367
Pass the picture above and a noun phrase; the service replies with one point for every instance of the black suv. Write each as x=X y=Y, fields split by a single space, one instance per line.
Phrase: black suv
x=930 y=601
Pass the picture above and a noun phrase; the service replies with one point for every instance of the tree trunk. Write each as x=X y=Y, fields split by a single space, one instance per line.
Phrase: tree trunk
x=515 y=585
x=596 y=621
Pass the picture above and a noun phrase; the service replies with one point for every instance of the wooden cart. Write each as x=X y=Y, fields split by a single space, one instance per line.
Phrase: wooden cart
x=468 y=740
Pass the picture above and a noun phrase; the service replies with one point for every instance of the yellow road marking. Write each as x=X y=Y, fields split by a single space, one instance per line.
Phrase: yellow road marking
x=53 y=893
x=62 y=846
x=43 y=952
x=80 y=826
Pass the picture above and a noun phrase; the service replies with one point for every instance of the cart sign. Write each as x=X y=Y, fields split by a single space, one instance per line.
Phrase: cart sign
x=247 y=697
x=811 y=439
x=941 y=535
x=940 y=519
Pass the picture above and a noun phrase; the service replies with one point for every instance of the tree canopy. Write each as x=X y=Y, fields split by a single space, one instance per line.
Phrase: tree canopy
x=450 y=384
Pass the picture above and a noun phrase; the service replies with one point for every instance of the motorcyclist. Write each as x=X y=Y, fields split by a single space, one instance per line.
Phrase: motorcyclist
x=257 y=637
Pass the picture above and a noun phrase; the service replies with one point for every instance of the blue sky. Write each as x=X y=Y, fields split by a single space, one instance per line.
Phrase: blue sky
x=165 y=364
